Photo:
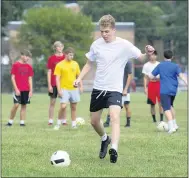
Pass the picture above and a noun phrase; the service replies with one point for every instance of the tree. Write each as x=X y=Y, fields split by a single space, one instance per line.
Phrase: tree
x=43 y=26
x=146 y=17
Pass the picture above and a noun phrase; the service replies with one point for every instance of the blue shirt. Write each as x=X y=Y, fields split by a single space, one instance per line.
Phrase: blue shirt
x=168 y=77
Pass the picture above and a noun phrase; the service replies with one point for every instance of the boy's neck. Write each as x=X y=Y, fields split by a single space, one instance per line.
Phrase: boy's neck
x=58 y=54
x=167 y=59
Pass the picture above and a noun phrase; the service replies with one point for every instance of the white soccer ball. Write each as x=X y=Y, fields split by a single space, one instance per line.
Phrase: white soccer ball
x=80 y=121
x=60 y=159
x=162 y=126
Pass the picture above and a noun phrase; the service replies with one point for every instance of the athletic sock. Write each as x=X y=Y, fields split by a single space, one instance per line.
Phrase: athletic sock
x=58 y=122
x=73 y=123
x=51 y=121
x=21 y=121
x=10 y=121
x=161 y=117
x=104 y=137
x=154 y=117
x=114 y=146
x=63 y=121
x=170 y=124
x=128 y=120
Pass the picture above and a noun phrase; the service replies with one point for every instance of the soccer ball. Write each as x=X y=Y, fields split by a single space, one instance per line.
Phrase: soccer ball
x=80 y=121
x=60 y=159
x=162 y=126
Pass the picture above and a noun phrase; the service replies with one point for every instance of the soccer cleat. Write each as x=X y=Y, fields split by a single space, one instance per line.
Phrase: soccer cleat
x=74 y=127
x=176 y=127
x=22 y=125
x=104 y=147
x=127 y=125
x=8 y=124
x=113 y=155
x=171 y=131
x=106 y=124
x=50 y=123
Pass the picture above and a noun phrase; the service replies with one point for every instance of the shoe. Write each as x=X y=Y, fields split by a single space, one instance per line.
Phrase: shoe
x=104 y=147
x=74 y=127
x=56 y=127
x=9 y=124
x=64 y=124
x=22 y=125
x=113 y=155
x=50 y=123
x=176 y=127
x=127 y=125
x=172 y=131
x=106 y=124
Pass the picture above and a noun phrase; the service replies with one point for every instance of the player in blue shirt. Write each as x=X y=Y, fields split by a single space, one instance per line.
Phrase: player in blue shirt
x=168 y=72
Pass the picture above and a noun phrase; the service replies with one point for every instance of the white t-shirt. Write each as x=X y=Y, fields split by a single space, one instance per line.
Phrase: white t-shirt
x=111 y=59
x=149 y=67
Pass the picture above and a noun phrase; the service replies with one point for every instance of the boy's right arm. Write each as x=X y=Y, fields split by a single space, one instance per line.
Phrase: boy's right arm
x=14 y=85
x=84 y=71
x=182 y=77
x=50 y=89
x=145 y=83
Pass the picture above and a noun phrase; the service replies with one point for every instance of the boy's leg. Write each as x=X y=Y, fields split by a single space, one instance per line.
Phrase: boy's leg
x=159 y=101
x=12 y=114
x=22 y=114
x=115 y=111
x=160 y=111
x=166 y=104
x=51 y=110
x=128 y=115
x=153 y=112
x=73 y=113
x=99 y=128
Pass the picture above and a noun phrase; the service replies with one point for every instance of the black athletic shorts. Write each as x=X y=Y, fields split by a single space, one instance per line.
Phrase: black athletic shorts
x=22 y=99
x=103 y=99
x=54 y=94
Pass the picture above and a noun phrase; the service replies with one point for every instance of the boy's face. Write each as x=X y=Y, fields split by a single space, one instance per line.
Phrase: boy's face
x=24 y=58
x=107 y=33
x=59 y=48
x=153 y=57
x=69 y=56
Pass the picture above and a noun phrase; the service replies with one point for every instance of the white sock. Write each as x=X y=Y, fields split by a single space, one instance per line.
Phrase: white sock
x=73 y=123
x=174 y=122
x=10 y=121
x=170 y=124
x=104 y=137
x=59 y=122
x=63 y=121
x=50 y=121
x=115 y=146
x=21 y=121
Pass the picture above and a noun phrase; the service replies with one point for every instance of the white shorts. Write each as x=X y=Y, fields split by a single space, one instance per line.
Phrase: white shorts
x=126 y=99
x=72 y=96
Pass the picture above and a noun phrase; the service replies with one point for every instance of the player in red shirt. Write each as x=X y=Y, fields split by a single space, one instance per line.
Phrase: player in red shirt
x=21 y=77
x=51 y=79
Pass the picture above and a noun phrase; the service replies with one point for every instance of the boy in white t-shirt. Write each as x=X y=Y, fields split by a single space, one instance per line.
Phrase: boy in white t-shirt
x=152 y=86
x=111 y=54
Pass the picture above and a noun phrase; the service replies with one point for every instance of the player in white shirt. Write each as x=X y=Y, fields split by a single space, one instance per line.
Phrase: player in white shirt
x=152 y=86
x=111 y=54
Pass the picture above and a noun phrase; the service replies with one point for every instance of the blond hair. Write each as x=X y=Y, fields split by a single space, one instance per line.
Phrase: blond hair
x=57 y=43
x=107 y=21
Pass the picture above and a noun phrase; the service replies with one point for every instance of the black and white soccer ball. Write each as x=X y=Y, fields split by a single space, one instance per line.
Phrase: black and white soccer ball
x=60 y=159
x=162 y=126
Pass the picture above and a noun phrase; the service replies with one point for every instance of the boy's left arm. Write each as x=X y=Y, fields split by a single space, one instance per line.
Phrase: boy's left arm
x=182 y=77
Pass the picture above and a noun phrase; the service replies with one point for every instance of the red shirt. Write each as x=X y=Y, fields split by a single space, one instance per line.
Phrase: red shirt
x=22 y=72
x=51 y=64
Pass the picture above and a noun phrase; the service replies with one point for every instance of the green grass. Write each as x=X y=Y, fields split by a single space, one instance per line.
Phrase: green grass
x=143 y=152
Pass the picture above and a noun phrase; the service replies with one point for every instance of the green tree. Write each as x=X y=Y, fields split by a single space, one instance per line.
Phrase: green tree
x=43 y=26
x=146 y=17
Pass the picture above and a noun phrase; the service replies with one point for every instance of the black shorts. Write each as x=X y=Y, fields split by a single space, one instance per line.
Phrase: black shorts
x=54 y=94
x=22 y=99
x=103 y=99
x=167 y=101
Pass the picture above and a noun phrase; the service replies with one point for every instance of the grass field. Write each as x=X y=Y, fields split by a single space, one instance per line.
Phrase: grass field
x=143 y=152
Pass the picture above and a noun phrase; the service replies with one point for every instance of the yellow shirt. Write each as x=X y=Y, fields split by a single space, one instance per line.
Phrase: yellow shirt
x=68 y=72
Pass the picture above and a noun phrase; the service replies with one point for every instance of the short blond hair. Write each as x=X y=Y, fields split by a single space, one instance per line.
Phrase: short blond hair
x=107 y=21
x=57 y=43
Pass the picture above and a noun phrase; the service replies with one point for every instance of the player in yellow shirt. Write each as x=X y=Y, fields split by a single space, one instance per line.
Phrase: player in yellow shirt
x=66 y=73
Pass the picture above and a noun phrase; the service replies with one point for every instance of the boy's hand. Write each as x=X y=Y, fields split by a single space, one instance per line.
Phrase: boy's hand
x=17 y=92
